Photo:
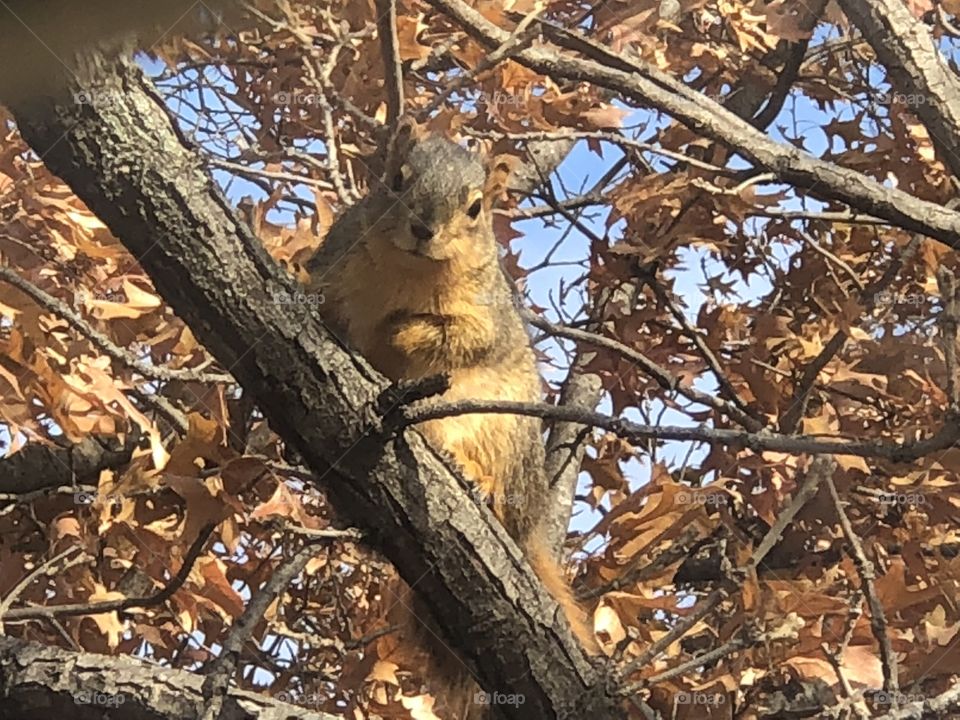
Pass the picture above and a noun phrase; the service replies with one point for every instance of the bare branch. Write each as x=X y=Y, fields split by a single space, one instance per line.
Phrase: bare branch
x=707 y=354
x=949 y=321
x=878 y=620
x=915 y=68
x=643 y=84
x=661 y=375
x=635 y=433
x=58 y=563
x=105 y=606
x=566 y=443
x=220 y=670
x=390 y=49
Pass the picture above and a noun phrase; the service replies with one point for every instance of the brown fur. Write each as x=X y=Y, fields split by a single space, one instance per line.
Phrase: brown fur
x=440 y=303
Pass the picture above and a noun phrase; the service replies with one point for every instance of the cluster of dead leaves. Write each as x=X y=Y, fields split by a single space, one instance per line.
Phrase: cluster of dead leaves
x=667 y=531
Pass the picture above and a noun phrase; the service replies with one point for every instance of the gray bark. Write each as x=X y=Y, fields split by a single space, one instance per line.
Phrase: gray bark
x=38 y=682
x=915 y=68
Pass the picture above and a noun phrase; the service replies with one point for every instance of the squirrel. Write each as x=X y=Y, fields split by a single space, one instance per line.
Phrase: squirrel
x=411 y=279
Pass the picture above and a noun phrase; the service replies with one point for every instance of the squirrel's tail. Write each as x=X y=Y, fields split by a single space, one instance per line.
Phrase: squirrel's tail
x=551 y=574
x=421 y=643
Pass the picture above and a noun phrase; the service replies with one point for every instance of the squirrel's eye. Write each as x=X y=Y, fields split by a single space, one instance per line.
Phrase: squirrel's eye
x=397 y=183
x=474 y=210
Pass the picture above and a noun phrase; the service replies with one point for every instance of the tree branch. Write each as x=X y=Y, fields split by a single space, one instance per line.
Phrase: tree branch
x=661 y=375
x=221 y=669
x=390 y=49
x=37 y=682
x=915 y=67
x=646 y=85
x=868 y=576
x=38 y=467
x=106 y=606
x=635 y=433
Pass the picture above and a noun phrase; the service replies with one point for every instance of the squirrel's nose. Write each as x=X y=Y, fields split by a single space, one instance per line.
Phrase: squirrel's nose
x=421 y=232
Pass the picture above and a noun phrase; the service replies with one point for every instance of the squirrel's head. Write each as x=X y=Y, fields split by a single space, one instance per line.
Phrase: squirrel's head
x=442 y=198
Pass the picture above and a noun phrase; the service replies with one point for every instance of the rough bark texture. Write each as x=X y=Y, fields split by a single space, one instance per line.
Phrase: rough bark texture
x=127 y=162
x=542 y=159
x=37 y=467
x=38 y=682
x=915 y=68
x=566 y=446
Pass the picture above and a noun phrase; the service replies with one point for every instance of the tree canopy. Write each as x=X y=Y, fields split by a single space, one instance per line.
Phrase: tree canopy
x=733 y=228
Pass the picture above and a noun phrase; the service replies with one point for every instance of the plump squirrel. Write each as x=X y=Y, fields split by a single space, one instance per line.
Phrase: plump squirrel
x=412 y=280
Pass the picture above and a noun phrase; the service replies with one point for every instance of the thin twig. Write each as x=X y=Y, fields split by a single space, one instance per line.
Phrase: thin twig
x=867 y=573
x=704 y=608
x=154 y=372
x=949 y=320
x=105 y=606
x=635 y=433
x=155 y=400
x=390 y=50
x=712 y=361
x=517 y=40
x=642 y=568
x=220 y=670
x=839 y=262
x=611 y=137
x=868 y=298
x=47 y=568
x=661 y=375
x=820 y=469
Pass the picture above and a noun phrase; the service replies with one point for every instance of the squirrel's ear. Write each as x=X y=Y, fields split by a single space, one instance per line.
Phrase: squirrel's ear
x=406 y=134
x=499 y=169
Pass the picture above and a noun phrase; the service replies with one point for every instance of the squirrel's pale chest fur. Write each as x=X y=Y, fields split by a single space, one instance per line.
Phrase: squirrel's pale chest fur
x=412 y=318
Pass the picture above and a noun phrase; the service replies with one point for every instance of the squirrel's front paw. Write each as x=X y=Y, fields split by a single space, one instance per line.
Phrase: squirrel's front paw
x=417 y=334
